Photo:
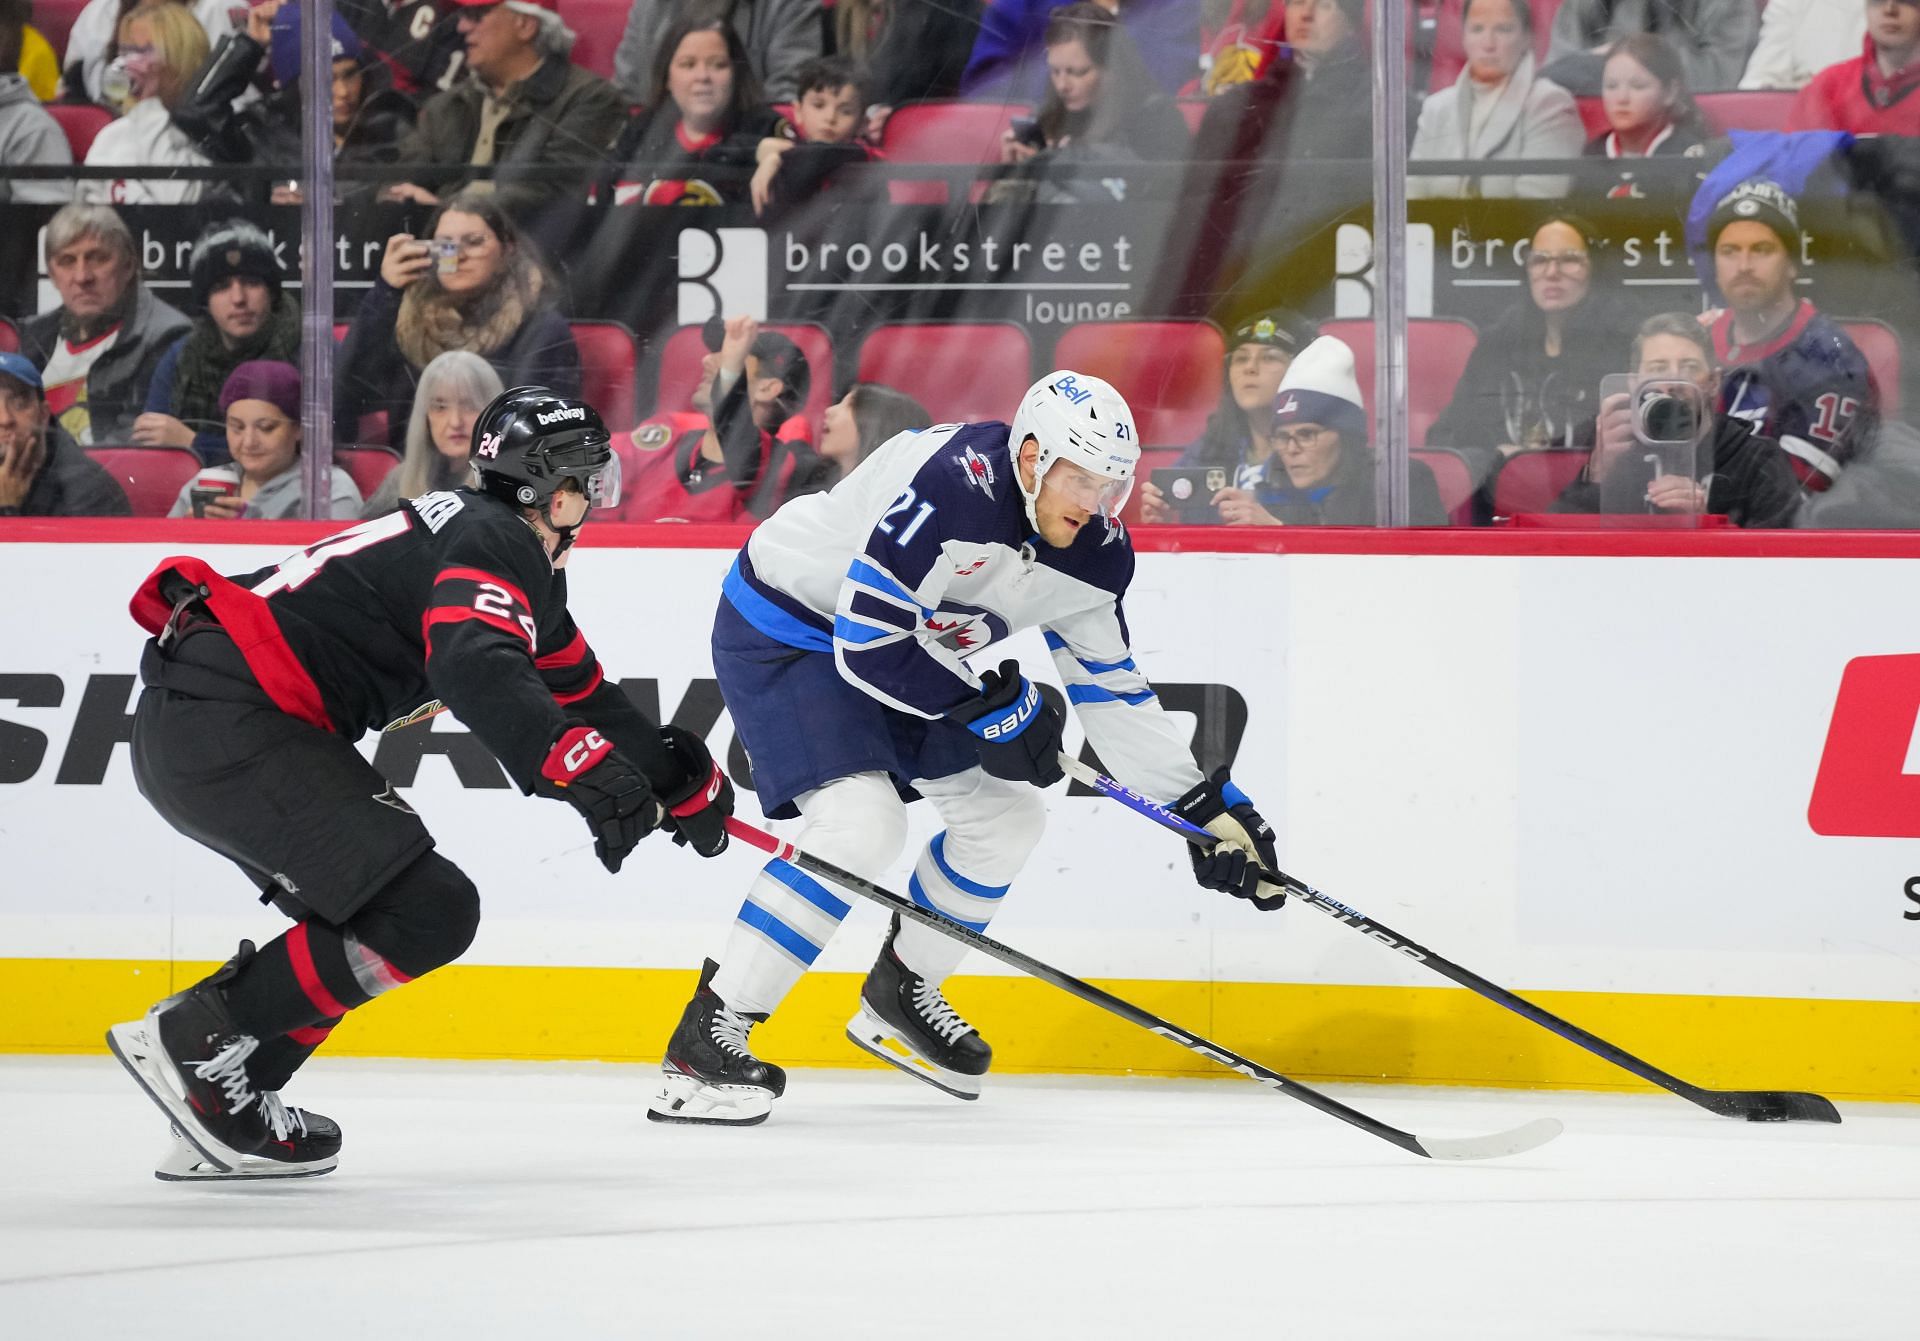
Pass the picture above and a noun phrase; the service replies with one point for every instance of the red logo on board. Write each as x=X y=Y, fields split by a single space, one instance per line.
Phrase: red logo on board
x=1863 y=789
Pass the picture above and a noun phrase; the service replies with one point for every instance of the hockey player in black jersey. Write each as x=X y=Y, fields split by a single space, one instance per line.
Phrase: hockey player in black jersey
x=259 y=685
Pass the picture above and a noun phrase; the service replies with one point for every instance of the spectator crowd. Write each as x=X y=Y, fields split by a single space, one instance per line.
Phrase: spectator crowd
x=485 y=121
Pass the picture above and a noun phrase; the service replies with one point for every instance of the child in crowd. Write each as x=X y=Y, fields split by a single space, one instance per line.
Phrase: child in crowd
x=828 y=114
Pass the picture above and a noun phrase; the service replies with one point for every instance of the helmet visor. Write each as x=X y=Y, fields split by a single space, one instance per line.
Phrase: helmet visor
x=1099 y=494
x=603 y=486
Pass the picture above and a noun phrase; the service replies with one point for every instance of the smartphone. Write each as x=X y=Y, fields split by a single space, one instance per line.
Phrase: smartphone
x=1189 y=491
x=199 y=498
x=1027 y=131
x=446 y=255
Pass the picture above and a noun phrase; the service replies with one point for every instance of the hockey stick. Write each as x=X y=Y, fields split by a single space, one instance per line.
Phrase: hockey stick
x=1753 y=1105
x=1517 y=1141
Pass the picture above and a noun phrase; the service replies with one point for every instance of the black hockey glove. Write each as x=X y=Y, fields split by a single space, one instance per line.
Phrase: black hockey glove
x=697 y=807
x=1245 y=846
x=584 y=770
x=1018 y=730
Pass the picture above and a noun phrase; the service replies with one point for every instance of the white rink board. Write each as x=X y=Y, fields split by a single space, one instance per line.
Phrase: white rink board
x=1572 y=773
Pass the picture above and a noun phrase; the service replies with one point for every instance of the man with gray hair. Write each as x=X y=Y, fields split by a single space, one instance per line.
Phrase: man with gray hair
x=96 y=352
x=524 y=103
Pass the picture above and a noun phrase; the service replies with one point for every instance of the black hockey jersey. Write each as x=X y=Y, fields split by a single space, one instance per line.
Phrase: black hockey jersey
x=1804 y=387
x=417 y=40
x=451 y=602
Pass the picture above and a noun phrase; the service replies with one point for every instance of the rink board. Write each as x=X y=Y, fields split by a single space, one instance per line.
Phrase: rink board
x=1582 y=766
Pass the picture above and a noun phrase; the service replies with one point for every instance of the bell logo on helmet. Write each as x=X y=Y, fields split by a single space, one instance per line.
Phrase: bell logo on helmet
x=560 y=416
x=1072 y=390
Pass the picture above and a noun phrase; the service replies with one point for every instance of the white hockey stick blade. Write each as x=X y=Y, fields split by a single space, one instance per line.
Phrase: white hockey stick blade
x=1528 y=1136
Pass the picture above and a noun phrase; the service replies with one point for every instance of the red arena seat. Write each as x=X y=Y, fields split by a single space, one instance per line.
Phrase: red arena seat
x=1876 y=340
x=681 y=352
x=959 y=370
x=79 y=122
x=9 y=337
x=1169 y=371
x=151 y=476
x=1455 y=479
x=1593 y=116
x=948 y=132
x=369 y=466
x=1745 y=109
x=598 y=25
x=1529 y=482
x=609 y=371
x=54 y=19
x=1437 y=352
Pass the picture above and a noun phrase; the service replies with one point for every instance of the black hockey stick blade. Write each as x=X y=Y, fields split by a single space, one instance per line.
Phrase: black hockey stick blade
x=1753 y=1105
x=1517 y=1141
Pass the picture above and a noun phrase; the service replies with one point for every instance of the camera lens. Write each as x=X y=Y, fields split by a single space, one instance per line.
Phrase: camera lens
x=1668 y=419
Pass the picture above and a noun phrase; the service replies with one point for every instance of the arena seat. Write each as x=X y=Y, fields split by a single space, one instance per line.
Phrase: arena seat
x=679 y=368
x=1529 y=482
x=1593 y=116
x=948 y=132
x=368 y=466
x=54 y=19
x=1450 y=53
x=1876 y=340
x=1455 y=478
x=1169 y=371
x=151 y=476
x=1437 y=352
x=960 y=371
x=79 y=122
x=9 y=337
x=598 y=25
x=1745 y=109
x=609 y=371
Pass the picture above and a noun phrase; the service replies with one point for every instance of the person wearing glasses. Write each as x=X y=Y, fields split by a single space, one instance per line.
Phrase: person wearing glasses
x=1534 y=378
x=1319 y=439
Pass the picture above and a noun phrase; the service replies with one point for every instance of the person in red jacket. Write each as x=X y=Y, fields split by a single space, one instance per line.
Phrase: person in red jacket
x=1876 y=93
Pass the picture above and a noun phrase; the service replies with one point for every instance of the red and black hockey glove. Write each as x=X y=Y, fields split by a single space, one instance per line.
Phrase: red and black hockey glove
x=1245 y=848
x=1018 y=730
x=697 y=808
x=584 y=770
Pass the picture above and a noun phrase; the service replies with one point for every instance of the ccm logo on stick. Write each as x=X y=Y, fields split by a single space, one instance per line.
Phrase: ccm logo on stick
x=1863 y=788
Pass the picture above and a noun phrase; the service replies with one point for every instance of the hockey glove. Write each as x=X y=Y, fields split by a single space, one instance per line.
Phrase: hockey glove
x=697 y=807
x=1245 y=848
x=1018 y=730
x=584 y=770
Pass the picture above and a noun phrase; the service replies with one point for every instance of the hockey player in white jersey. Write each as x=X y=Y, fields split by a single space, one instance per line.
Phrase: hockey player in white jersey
x=841 y=647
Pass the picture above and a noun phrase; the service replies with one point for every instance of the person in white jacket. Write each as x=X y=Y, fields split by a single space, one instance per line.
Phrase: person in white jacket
x=1800 y=38
x=161 y=47
x=1498 y=108
x=90 y=41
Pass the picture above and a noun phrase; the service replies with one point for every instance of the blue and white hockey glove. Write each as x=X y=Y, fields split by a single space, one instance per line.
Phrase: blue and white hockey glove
x=1018 y=730
x=1245 y=847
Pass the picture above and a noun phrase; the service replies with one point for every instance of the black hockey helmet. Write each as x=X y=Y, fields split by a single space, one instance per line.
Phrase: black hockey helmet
x=531 y=439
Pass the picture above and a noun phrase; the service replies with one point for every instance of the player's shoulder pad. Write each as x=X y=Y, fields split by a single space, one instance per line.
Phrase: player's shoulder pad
x=477 y=530
x=967 y=476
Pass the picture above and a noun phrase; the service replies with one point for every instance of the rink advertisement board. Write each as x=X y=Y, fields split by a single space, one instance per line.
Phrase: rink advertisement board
x=1668 y=785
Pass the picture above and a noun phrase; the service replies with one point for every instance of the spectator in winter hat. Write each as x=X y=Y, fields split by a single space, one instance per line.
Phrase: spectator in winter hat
x=43 y=472
x=1875 y=92
x=1238 y=439
x=1320 y=442
x=98 y=349
x=1791 y=373
x=260 y=403
x=246 y=315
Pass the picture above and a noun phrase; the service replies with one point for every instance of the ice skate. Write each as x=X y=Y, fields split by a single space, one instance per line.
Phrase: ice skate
x=710 y=1076
x=192 y=1062
x=302 y=1145
x=906 y=1022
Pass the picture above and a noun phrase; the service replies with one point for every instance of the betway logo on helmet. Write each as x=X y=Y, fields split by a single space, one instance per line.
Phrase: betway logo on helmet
x=556 y=416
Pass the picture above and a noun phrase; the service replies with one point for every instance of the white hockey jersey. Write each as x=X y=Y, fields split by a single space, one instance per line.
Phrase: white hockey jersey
x=923 y=557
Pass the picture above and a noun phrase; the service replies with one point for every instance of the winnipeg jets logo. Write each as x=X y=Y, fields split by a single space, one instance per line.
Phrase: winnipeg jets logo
x=971 y=568
x=977 y=469
x=490 y=445
x=1288 y=408
x=956 y=635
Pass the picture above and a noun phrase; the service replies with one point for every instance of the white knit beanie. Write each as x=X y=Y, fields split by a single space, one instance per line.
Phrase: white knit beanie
x=1320 y=388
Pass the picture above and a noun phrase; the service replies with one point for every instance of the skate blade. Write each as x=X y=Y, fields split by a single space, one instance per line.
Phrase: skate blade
x=874 y=1035
x=136 y=1052
x=687 y=1099
x=193 y=1170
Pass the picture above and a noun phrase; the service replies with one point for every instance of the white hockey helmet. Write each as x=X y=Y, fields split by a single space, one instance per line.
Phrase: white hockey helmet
x=1078 y=418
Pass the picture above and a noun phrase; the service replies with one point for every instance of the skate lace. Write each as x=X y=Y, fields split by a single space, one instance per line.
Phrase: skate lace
x=227 y=1068
x=942 y=1018
x=283 y=1120
x=730 y=1030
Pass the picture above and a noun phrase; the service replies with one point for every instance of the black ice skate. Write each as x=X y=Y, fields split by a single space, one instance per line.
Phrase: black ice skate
x=906 y=1022
x=711 y=1077
x=192 y=1062
x=301 y=1145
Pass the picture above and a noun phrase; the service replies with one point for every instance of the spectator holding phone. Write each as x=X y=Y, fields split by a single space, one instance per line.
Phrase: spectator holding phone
x=1239 y=435
x=261 y=405
x=43 y=472
x=474 y=283
x=454 y=388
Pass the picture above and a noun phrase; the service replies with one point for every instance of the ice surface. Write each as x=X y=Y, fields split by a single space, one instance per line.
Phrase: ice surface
x=535 y=1201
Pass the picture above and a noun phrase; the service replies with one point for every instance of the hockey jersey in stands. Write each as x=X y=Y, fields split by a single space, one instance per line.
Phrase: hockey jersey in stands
x=450 y=601
x=1804 y=387
x=922 y=557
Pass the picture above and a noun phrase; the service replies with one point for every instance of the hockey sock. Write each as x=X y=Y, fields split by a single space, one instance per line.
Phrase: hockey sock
x=941 y=883
x=276 y=1059
x=317 y=971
